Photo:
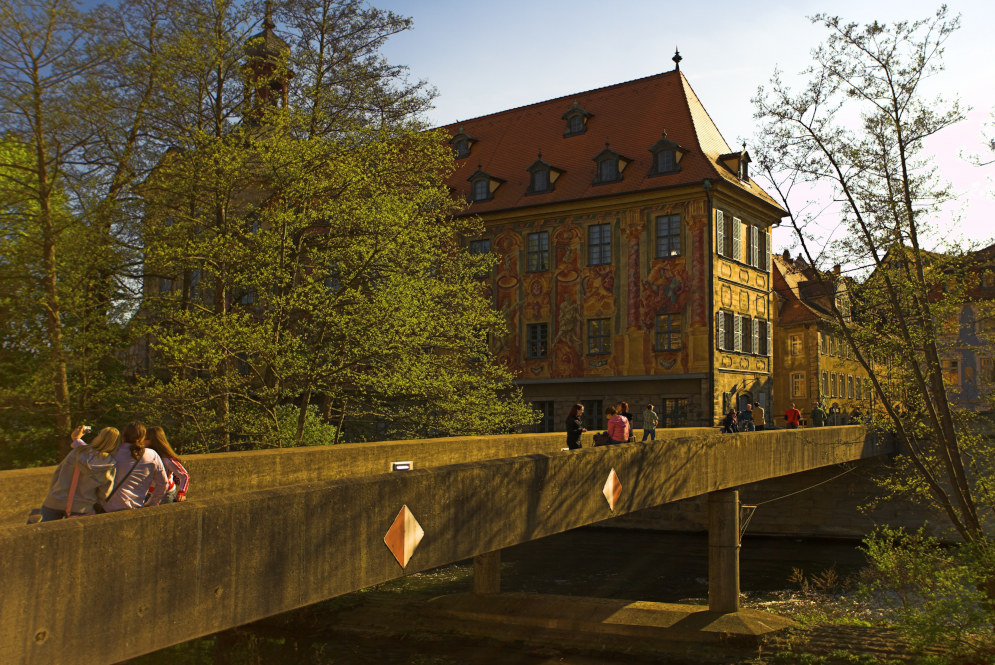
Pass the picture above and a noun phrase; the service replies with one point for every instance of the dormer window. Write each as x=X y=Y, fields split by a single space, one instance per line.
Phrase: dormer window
x=542 y=175
x=483 y=185
x=576 y=119
x=610 y=166
x=461 y=144
x=667 y=156
x=738 y=163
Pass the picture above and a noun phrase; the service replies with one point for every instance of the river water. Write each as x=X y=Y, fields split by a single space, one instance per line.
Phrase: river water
x=599 y=562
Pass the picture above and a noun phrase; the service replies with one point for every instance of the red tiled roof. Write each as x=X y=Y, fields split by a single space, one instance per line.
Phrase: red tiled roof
x=630 y=116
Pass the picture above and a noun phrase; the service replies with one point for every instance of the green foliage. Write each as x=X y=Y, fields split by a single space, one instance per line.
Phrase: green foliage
x=936 y=593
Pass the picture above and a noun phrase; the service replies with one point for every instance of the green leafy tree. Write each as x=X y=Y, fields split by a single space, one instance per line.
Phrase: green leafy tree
x=857 y=130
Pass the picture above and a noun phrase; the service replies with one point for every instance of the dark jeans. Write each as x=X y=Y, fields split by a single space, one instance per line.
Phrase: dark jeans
x=649 y=433
x=792 y=426
x=760 y=428
x=51 y=514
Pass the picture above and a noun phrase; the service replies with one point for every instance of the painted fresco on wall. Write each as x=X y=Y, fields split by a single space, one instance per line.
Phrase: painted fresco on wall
x=631 y=292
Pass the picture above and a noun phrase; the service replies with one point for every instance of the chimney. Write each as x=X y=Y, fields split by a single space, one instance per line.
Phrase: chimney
x=786 y=255
x=836 y=270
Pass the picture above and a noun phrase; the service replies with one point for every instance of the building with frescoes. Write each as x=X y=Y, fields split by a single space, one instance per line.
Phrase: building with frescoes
x=634 y=252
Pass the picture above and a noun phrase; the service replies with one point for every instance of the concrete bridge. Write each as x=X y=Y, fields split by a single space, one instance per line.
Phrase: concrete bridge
x=265 y=532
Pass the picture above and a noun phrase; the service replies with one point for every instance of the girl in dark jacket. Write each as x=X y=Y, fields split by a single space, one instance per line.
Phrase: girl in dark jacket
x=575 y=426
x=729 y=424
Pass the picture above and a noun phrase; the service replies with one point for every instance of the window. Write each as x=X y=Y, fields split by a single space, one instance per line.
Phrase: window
x=798 y=384
x=575 y=124
x=462 y=148
x=988 y=279
x=537 y=245
x=674 y=412
x=746 y=331
x=726 y=333
x=598 y=336
x=795 y=345
x=763 y=250
x=593 y=414
x=668 y=236
x=849 y=387
x=599 y=244
x=481 y=189
x=988 y=370
x=825 y=384
x=546 y=424
x=165 y=285
x=480 y=246
x=608 y=170
x=832 y=384
x=536 y=340
x=762 y=333
x=723 y=233
x=668 y=332
x=752 y=245
x=540 y=180
x=859 y=388
x=666 y=161
x=823 y=344
x=576 y=120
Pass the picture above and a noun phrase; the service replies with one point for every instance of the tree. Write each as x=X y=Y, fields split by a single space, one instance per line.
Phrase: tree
x=858 y=128
x=308 y=252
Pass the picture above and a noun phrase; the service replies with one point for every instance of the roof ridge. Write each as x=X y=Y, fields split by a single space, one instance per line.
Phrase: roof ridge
x=562 y=97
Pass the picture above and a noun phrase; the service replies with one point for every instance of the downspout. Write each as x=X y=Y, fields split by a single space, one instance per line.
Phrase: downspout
x=710 y=263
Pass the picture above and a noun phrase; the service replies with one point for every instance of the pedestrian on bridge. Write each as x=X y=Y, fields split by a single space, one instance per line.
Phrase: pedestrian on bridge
x=650 y=420
x=729 y=424
x=792 y=417
x=619 y=428
x=759 y=417
x=83 y=478
x=138 y=469
x=179 y=477
x=575 y=426
x=746 y=419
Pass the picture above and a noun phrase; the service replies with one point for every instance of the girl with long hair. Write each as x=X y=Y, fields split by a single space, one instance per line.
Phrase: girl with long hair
x=139 y=469
x=94 y=470
x=575 y=426
x=179 y=478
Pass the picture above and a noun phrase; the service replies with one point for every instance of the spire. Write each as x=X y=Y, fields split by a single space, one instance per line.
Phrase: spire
x=268 y=19
x=677 y=60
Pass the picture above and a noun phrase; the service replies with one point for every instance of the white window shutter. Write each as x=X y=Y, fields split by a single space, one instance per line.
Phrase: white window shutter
x=721 y=327
x=737 y=230
x=770 y=341
x=754 y=246
x=720 y=233
x=738 y=338
x=756 y=336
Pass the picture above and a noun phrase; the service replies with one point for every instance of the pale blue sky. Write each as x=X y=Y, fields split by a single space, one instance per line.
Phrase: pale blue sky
x=485 y=57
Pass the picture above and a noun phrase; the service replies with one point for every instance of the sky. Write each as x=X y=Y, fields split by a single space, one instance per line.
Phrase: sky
x=485 y=57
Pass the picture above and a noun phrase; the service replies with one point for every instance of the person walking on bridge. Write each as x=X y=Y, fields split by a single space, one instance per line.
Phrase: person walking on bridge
x=650 y=420
x=575 y=426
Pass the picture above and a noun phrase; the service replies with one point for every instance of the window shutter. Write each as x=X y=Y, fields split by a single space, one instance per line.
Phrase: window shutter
x=754 y=246
x=720 y=323
x=770 y=341
x=738 y=339
x=756 y=335
x=766 y=251
x=720 y=233
x=737 y=230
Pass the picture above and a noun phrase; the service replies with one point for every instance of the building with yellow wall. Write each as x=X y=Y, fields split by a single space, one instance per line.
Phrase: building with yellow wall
x=634 y=251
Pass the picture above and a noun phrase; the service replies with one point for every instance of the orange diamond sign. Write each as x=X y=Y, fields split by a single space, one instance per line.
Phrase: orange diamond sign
x=612 y=490
x=403 y=536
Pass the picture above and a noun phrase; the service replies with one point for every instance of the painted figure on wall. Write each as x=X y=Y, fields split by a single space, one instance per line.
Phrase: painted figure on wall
x=508 y=301
x=568 y=338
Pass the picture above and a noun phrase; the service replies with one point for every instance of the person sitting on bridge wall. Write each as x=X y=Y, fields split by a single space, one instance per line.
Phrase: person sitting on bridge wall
x=575 y=426
x=139 y=469
x=729 y=423
x=792 y=417
x=179 y=477
x=619 y=427
x=94 y=470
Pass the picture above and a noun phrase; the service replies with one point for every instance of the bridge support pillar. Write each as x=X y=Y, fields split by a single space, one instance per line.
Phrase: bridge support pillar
x=723 y=551
x=487 y=573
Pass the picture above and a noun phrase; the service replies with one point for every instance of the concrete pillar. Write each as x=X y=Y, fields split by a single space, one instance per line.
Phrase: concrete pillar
x=723 y=551
x=487 y=573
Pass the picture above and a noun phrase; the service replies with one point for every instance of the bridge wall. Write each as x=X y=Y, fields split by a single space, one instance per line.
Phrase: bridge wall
x=106 y=588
